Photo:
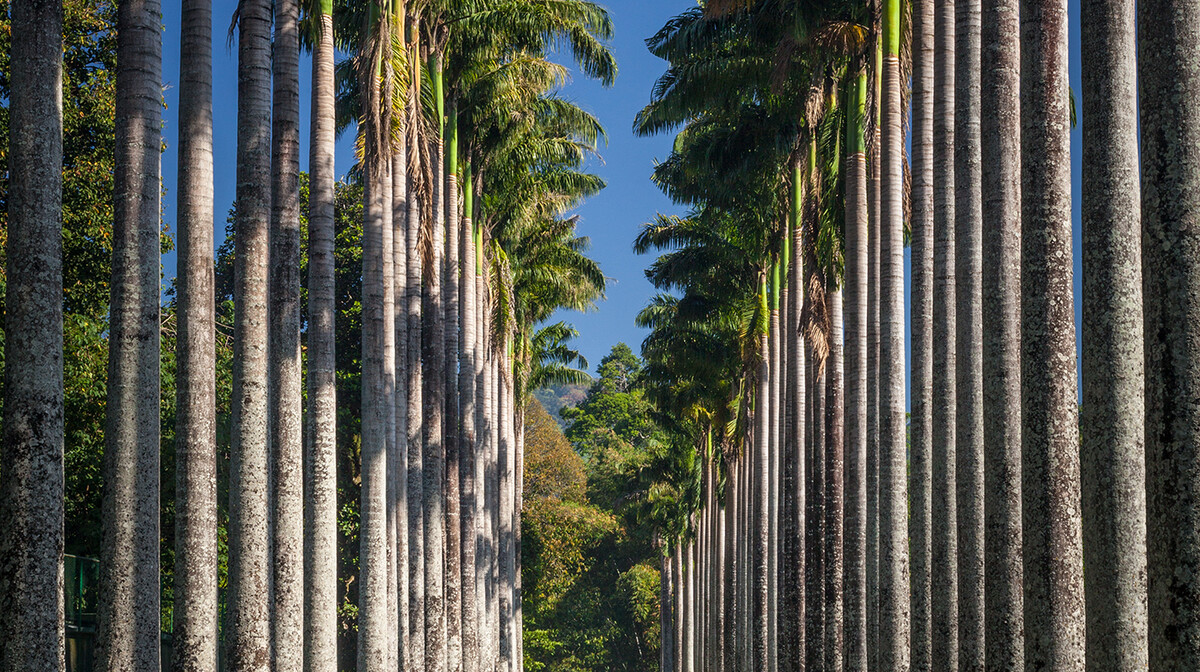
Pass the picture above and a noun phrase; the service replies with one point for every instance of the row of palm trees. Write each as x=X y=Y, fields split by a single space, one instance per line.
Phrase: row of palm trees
x=469 y=162
x=810 y=522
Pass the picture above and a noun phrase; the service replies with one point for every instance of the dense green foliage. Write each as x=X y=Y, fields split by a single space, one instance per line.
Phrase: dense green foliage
x=590 y=563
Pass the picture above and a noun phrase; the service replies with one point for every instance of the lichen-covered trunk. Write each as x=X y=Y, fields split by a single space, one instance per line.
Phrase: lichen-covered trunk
x=287 y=482
x=921 y=306
x=1001 y=275
x=1113 y=458
x=31 y=482
x=855 y=403
x=128 y=618
x=247 y=639
x=1168 y=83
x=1053 y=545
x=321 y=551
x=893 y=490
x=941 y=575
x=195 y=609
x=968 y=370
x=834 y=482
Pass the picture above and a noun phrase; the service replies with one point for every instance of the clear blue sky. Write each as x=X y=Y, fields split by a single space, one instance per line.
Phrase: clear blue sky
x=611 y=219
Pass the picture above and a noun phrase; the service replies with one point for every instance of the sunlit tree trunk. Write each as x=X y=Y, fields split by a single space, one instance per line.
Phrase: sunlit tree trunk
x=450 y=288
x=128 y=627
x=470 y=477
x=415 y=653
x=1053 y=551
x=247 y=639
x=834 y=464
x=31 y=481
x=873 y=333
x=1167 y=84
x=398 y=461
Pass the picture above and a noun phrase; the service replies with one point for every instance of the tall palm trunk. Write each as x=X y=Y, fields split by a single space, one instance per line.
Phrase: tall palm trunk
x=943 y=652
x=128 y=628
x=507 y=566
x=834 y=480
x=391 y=504
x=1054 y=610
x=761 y=524
x=921 y=429
x=791 y=575
x=375 y=635
x=1001 y=275
x=968 y=260
x=31 y=482
x=855 y=354
x=893 y=491
x=433 y=343
x=320 y=613
x=287 y=480
x=815 y=566
x=195 y=609
x=666 y=658
x=730 y=568
x=873 y=333
x=415 y=653
x=450 y=287
x=247 y=641
x=1170 y=180
x=398 y=461
x=773 y=446
x=1113 y=450
x=470 y=476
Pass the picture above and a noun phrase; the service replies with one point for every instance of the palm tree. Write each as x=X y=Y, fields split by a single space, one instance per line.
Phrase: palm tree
x=925 y=64
x=873 y=330
x=31 y=483
x=128 y=628
x=834 y=464
x=1053 y=553
x=893 y=493
x=1001 y=185
x=1113 y=410
x=1169 y=205
x=248 y=640
x=855 y=299
x=195 y=610
x=943 y=653
x=968 y=260
x=320 y=584
x=287 y=470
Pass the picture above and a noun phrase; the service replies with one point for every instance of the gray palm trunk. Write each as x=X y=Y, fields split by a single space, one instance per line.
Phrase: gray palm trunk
x=1113 y=459
x=1053 y=548
x=873 y=331
x=391 y=503
x=893 y=491
x=680 y=606
x=469 y=464
x=32 y=480
x=689 y=603
x=921 y=428
x=666 y=658
x=453 y=522
x=506 y=464
x=247 y=640
x=855 y=354
x=1001 y=216
x=287 y=482
x=415 y=388
x=730 y=568
x=791 y=602
x=773 y=447
x=761 y=524
x=128 y=627
x=814 y=567
x=834 y=481
x=320 y=613
x=398 y=464
x=1170 y=177
x=375 y=637
x=968 y=260
x=943 y=580
x=433 y=343
x=195 y=610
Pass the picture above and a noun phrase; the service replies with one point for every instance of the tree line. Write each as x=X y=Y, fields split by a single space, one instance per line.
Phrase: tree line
x=289 y=368
x=821 y=522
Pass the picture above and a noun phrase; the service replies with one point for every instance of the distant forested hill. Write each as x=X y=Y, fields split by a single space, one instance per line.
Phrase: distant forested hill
x=557 y=397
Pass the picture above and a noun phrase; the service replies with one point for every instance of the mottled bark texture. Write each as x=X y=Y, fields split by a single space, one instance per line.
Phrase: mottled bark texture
x=398 y=460
x=855 y=355
x=247 y=640
x=834 y=481
x=1169 y=85
x=470 y=476
x=31 y=482
x=968 y=330
x=1053 y=545
x=774 y=446
x=415 y=653
x=814 y=567
x=921 y=324
x=1113 y=461
x=761 y=524
x=893 y=486
x=507 y=662
x=791 y=559
x=1001 y=274
x=873 y=333
x=450 y=290
x=194 y=640
x=128 y=618
x=287 y=482
x=320 y=586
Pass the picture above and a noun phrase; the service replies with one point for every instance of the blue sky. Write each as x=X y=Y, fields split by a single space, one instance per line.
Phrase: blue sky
x=611 y=219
